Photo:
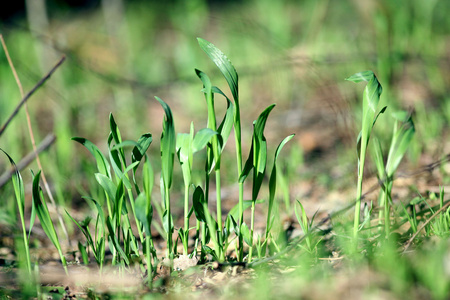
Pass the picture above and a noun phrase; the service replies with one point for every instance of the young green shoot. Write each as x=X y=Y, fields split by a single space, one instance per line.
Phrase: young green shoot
x=168 y=144
x=401 y=138
x=256 y=161
x=229 y=72
x=45 y=219
x=371 y=97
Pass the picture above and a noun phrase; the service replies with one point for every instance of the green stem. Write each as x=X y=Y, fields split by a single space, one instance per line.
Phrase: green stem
x=25 y=239
x=169 y=221
x=237 y=134
x=251 y=232
x=359 y=190
x=149 y=262
x=186 y=219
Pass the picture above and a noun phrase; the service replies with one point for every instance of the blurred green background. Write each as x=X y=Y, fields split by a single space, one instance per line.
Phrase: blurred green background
x=120 y=54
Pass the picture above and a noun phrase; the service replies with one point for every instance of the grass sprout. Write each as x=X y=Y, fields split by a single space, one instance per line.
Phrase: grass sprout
x=371 y=97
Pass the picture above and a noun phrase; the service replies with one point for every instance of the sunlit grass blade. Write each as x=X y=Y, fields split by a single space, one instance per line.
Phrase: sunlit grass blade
x=207 y=90
x=223 y=63
x=229 y=72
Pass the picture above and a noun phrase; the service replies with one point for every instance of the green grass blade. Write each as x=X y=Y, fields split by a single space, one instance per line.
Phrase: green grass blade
x=168 y=143
x=114 y=129
x=142 y=146
x=184 y=153
x=115 y=241
x=198 y=199
x=202 y=138
x=102 y=164
x=371 y=97
x=144 y=213
x=273 y=184
x=108 y=186
x=19 y=192
x=260 y=151
x=45 y=219
x=400 y=142
x=224 y=65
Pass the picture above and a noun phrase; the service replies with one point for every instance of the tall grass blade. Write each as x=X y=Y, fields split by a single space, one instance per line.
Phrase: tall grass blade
x=371 y=97
x=102 y=164
x=273 y=185
x=168 y=145
x=223 y=63
x=19 y=192
x=45 y=219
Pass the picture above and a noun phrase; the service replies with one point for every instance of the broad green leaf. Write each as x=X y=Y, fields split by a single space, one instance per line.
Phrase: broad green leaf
x=114 y=241
x=379 y=161
x=227 y=122
x=224 y=65
x=102 y=164
x=259 y=151
x=166 y=224
x=400 y=142
x=108 y=186
x=183 y=147
x=207 y=90
x=248 y=166
x=168 y=143
x=114 y=130
x=246 y=234
x=83 y=253
x=124 y=144
x=226 y=125
x=43 y=213
x=234 y=211
x=85 y=233
x=202 y=138
x=17 y=184
x=144 y=213
x=142 y=146
x=185 y=154
x=198 y=200
x=371 y=97
x=273 y=183
x=116 y=163
x=281 y=145
x=148 y=179
x=120 y=206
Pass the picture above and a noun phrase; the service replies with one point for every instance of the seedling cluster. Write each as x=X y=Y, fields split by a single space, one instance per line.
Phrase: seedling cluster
x=124 y=215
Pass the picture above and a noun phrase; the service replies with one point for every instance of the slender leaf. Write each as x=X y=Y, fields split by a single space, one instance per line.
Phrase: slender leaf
x=168 y=143
x=102 y=164
x=198 y=200
x=224 y=65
